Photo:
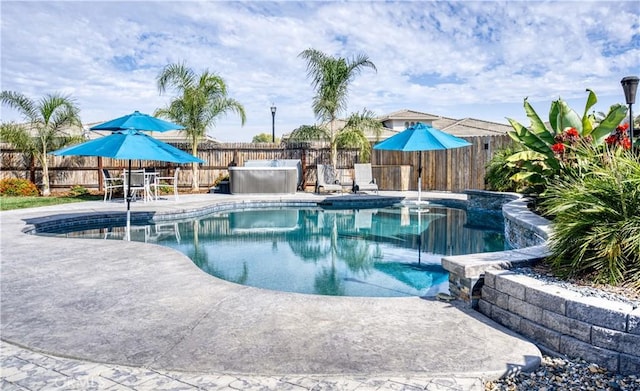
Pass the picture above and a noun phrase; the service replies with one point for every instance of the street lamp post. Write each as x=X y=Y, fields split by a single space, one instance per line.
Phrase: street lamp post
x=273 y=123
x=630 y=86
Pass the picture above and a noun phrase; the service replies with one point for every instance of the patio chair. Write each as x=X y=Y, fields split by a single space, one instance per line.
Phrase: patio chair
x=363 y=178
x=138 y=185
x=167 y=181
x=327 y=179
x=110 y=183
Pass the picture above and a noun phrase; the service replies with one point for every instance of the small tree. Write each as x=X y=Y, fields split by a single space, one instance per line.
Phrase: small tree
x=263 y=138
x=47 y=120
x=330 y=78
x=201 y=100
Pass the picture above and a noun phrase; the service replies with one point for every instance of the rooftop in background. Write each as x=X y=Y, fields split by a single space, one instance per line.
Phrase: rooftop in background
x=393 y=123
x=400 y=120
x=466 y=127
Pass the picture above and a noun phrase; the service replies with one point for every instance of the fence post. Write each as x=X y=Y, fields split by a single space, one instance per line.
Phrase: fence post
x=100 y=179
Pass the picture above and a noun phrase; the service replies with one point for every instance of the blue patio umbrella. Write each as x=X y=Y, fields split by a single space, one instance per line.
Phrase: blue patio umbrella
x=138 y=121
x=421 y=137
x=129 y=144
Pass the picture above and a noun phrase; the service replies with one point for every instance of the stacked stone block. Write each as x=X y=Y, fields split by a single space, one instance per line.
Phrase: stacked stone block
x=563 y=321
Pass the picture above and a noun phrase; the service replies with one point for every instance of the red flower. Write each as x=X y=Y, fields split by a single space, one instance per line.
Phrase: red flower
x=611 y=139
x=622 y=128
x=557 y=148
x=572 y=132
x=626 y=143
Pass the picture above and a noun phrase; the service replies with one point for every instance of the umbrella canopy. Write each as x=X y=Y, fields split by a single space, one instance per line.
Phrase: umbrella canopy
x=138 y=121
x=127 y=145
x=421 y=137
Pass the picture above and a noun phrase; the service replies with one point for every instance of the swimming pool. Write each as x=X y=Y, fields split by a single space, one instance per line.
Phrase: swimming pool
x=381 y=252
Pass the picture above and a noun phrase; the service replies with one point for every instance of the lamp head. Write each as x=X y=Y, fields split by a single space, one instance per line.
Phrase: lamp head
x=630 y=86
x=273 y=107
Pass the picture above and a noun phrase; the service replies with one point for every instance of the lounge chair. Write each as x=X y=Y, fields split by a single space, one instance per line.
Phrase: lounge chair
x=110 y=183
x=327 y=179
x=363 y=178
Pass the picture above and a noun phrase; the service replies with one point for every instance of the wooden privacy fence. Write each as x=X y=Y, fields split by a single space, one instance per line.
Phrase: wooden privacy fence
x=452 y=170
x=449 y=170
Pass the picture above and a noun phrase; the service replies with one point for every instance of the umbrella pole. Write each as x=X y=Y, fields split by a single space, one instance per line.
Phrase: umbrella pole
x=419 y=237
x=128 y=233
x=419 y=177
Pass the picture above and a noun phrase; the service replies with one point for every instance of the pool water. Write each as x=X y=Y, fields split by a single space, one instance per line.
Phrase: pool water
x=393 y=251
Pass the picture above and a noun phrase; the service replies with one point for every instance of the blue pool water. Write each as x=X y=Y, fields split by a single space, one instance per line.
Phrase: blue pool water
x=392 y=251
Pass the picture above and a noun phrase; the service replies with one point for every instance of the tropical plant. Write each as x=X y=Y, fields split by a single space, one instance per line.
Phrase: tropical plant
x=48 y=121
x=620 y=137
x=201 y=100
x=498 y=172
x=596 y=218
x=330 y=78
x=546 y=150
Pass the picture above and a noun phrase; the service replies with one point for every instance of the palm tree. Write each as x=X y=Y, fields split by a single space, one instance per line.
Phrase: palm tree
x=330 y=78
x=47 y=118
x=201 y=100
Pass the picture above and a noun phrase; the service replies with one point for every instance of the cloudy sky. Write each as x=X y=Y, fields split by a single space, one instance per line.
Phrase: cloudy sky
x=459 y=59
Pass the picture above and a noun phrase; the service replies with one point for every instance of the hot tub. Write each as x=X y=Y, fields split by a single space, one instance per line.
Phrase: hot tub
x=261 y=180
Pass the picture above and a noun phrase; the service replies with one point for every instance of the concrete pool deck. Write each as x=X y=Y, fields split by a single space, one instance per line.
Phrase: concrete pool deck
x=125 y=307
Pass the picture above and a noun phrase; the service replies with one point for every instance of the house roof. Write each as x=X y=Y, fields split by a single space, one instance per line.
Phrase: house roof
x=408 y=115
x=470 y=127
x=465 y=127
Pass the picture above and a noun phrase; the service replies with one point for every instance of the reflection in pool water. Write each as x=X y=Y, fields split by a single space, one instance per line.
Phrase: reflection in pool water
x=391 y=251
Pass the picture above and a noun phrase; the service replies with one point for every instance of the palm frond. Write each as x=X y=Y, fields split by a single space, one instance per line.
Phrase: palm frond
x=309 y=133
x=21 y=103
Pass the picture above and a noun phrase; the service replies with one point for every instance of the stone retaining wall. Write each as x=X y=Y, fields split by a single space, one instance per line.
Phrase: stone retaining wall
x=559 y=320
x=563 y=321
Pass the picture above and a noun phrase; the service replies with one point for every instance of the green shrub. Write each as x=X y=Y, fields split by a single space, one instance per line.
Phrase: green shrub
x=165 y=188
x=18 y=187
x=221 y=177
x=78 y=191
x=596 y=219
x=498 y=172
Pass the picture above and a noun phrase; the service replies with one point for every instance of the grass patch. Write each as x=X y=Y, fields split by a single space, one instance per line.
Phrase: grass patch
x=10 y=203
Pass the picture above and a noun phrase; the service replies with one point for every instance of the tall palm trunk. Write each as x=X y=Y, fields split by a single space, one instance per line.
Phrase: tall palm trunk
x=195 y=180
x=46 y=189
x=333 y=154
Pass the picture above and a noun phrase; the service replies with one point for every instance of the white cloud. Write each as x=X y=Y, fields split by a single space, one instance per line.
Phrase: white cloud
x=459 y=59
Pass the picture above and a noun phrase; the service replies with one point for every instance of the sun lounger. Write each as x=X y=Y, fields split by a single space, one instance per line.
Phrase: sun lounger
x=327 y=179
x=363 y=178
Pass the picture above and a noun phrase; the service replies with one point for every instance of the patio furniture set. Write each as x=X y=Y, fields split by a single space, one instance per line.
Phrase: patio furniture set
x=144 y=183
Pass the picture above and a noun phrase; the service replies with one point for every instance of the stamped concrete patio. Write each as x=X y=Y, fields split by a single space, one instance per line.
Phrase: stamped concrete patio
x=144 y=308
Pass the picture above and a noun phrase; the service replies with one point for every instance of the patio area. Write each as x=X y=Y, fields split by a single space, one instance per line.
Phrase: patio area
x=150 y=310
